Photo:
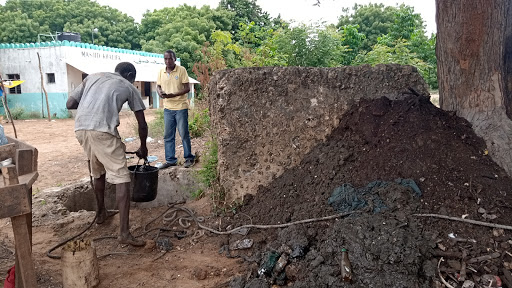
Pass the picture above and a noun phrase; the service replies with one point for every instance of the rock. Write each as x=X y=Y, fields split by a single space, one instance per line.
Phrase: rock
x=199 y=273
x=318 y=260
x=257 y=283
x=498 y=232
x=237 y=282
x=150 y=245
x=292 y=272
x=468 y=284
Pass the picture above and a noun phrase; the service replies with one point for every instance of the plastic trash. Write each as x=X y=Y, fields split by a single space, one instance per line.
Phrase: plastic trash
x=149 y=140
x=129 y=139
x=268 y=264
x=297 y=252
x=152 y=158
x=281 y=263
x=158 y=164
x=346 y=267
x=241 y=244
x=3 y=139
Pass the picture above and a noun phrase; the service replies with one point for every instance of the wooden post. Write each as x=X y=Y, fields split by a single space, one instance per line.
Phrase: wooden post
x=24 y=265
x=6 y=106
x=42 y=86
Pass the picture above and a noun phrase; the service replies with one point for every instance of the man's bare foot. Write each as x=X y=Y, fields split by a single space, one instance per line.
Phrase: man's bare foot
x=102 y=216
x=131 y=241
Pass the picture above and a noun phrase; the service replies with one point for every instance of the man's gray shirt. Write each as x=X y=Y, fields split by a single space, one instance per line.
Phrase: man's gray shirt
x=101 y=97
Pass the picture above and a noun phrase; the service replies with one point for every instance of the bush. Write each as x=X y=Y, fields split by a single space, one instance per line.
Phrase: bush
x=199 y=124
x=208 y=173
x=17 y=112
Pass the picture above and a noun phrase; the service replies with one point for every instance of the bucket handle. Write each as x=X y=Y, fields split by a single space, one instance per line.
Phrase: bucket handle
x=146 y=163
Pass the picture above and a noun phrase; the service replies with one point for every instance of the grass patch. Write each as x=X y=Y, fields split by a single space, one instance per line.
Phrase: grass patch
x=156 y=127
x=208 y=173
x=17 y=112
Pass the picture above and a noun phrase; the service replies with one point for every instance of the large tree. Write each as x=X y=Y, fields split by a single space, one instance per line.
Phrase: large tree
x=245 y=12
x=183 y=29
x=474 y=46
x=115 y=29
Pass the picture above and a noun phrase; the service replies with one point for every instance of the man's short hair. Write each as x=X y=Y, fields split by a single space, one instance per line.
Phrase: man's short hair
x=172 y=53
x=127 y=70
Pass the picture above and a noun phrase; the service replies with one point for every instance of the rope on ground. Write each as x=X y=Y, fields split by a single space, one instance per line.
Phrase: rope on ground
x=199 y=220
x=475 y=222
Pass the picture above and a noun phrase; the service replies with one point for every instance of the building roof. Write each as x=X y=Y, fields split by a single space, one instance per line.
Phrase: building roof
x=79 y=45
x=147 y=69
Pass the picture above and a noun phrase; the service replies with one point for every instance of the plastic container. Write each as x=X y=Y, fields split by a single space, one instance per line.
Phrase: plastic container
x=144 y=182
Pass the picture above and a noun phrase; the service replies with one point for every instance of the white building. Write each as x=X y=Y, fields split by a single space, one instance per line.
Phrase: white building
x=64 y=65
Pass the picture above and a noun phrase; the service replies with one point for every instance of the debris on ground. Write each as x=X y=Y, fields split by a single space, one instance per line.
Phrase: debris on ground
x=389 y=246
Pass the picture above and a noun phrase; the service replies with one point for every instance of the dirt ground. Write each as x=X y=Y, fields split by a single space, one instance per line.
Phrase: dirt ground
x=389 y=246
x=61 y=162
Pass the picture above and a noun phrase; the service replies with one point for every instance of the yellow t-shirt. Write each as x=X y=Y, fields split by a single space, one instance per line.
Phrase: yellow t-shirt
x=172 y=83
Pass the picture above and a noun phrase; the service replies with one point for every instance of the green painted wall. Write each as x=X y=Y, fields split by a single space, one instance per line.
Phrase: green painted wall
x=34 y=102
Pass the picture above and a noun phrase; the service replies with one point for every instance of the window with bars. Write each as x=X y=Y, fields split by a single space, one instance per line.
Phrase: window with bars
x=17 y=89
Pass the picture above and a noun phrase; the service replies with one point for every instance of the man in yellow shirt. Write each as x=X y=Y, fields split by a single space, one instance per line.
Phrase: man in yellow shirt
x=173 y=87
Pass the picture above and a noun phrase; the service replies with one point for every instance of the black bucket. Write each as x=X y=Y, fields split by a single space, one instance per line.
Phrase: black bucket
x=144 y=184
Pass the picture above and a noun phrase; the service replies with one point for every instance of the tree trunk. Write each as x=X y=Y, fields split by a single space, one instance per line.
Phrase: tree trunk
x=475 y=70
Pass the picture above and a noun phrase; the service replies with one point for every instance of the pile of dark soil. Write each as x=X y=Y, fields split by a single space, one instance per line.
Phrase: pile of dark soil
x=385 y=140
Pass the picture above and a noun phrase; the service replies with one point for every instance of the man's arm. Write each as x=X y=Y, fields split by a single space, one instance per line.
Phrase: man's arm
x=143 y=134
x=71 y=103
x=75 y=96
x=160 y=91
x=179 y=93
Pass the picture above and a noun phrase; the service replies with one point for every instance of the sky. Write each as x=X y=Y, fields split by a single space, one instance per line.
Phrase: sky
x=297 y=10
x=301 y=11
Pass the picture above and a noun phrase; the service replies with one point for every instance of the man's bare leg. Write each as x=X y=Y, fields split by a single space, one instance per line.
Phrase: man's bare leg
x=123 y=202
x=99 y=191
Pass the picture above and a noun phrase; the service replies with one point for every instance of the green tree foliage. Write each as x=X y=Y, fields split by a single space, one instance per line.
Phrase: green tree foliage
x=373 y=20
x=115 y=29
x=311 y=45
x=245 y=12
x=183 y=29
x=17 y=27
x=398 y=54
x=353 y=40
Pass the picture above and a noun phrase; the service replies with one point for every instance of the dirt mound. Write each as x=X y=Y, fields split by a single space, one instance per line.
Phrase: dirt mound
x=385 y=140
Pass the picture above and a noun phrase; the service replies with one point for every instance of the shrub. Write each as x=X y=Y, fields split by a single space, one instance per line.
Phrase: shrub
x=199 y=124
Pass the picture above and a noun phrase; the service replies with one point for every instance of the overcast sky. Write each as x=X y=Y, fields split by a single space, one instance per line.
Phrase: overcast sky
x=296 y=10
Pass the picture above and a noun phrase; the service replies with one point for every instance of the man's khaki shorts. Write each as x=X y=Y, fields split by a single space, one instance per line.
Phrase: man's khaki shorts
x=106 y=153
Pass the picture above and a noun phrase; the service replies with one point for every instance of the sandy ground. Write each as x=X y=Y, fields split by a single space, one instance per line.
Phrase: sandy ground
x=61 y=162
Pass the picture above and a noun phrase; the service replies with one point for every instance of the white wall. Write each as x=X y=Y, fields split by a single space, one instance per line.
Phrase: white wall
x=24 y=61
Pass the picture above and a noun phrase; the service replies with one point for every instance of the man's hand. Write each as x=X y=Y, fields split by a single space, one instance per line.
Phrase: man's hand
x=142 y=152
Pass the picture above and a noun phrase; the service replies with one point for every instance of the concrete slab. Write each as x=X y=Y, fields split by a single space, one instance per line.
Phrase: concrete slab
x=174 y=184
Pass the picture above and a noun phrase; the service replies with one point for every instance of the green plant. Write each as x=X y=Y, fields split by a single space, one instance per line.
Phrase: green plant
x=32 y=115
x=157 y=126
x=199 y=124
x=197 y=194
x=208 y=173
x=17 y=112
